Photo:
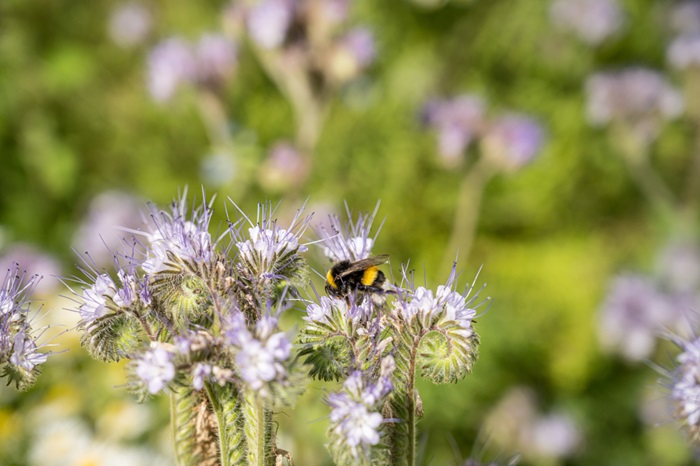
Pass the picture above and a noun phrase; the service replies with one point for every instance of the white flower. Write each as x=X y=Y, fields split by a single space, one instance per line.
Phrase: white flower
x=25 y=354
x=95 y=298
x=200 y=373
x=156 y=368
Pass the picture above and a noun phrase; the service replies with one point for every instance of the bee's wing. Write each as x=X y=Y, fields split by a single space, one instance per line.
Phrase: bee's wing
x=364 y=264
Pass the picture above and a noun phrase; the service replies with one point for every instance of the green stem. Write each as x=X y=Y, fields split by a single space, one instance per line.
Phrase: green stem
x=173 y=427
x=258 y=429
x=411 y=397
x=466 y=218
x=221 y=424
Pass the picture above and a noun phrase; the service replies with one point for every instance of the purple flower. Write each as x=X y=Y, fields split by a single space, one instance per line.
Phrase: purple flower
x=101 y=231
x=445 y=306
x=172 y=234
x=170 y=64
x=269 y=248
x=685 y=17
x=261 y=358
x=348 y=242
x=25 y=354
x=200 y=373
x=261 y=362
x=633 y=315
x=129 y=24
x=95 y=299
x=360 y=43
x=638 y=98
x=685 y=385
x=269 y=21
x=457 y=122
x=17 y=342
x=284 y=167
x=216 y=58
x=323 y=311
x=513 y=140
x=355 y=419
x=684 y=52
x=34 y=262
x=155 y=368
x=592 y=21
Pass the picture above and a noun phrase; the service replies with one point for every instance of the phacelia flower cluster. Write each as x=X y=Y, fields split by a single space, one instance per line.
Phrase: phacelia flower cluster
x=509 y=141
x=355 y=420
x=592 y=21
x=637 y=98
x=352 y=241
x=20 y=355
x=685 y=387
x=176 y=62
x=308 y=37
x=262 y=356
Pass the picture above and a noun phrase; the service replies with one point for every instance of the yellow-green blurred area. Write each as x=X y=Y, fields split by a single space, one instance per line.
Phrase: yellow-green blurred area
x=77 y=120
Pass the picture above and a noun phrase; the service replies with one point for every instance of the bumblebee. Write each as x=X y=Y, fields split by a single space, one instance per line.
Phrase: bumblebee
x=346 y=277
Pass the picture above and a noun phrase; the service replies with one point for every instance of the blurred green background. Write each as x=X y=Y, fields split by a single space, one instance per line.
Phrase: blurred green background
x=77 y=120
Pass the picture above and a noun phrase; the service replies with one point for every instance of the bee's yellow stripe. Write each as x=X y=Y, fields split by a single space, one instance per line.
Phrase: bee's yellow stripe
x=330 y=280
x=369 y=275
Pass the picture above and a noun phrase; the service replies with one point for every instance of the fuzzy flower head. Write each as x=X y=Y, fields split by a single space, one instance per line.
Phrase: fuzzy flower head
x=262 y=356
x=19 y=352
x=685 y=387
x=351 y=241
x=637 y=98
x=445 y=305
x=173 y=237
x=269 y=250
x=355 y=419
x=456 y=122
x=155 y=367
x=592 y=21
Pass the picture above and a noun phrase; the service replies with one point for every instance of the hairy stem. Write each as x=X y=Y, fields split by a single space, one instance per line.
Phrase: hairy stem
x=258 y=429
x=221 y=424
x=411 y=397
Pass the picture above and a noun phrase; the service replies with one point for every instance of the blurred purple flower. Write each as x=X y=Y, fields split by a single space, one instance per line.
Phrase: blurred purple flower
x=592 y=21
x=269 y=21
x=457 y=122
x=155 y=368
x=513 y=140
x=636 y=97
x=102 y=230
x=33 y=262
x=685 y=17
x=684 y=52
x=679 y=267
x=360 y=43
x=633 y=314
x=555 y=435
x=284 y=167
x=171 y=63
x=216 y=58
x=129 y=24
